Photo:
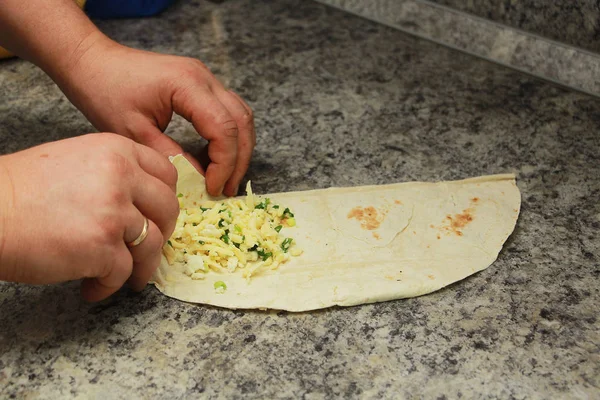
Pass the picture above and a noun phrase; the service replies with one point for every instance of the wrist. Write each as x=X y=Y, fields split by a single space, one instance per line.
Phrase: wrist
x=6 y=210
x=78 y=75
x=75 y=66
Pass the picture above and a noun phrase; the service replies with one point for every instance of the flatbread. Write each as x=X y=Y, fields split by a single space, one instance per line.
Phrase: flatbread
x=364 y=244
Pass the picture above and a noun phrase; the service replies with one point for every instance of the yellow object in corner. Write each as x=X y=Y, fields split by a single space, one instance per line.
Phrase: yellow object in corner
x=6 y=54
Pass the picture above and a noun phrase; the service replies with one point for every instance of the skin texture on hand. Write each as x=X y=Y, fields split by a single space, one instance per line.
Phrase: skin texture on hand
x=134 y=93
x=75 y=203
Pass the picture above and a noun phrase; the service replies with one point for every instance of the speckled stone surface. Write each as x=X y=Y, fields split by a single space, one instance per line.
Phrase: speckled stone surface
x=340 y=101
x=502 y=44
x=573 y=22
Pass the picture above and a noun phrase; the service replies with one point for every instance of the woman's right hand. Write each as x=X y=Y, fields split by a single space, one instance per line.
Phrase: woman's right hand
x=68 y=208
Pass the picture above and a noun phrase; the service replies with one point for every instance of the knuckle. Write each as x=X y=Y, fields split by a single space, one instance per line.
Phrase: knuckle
x=191 y=69
x=196 y=64
x=116 y=198
x=116 y=165
x=250 y=115
x=230 y=128
x=173 y=208
x=110 y=230
x=115 y=261
x=171 y=174
x=247 y=120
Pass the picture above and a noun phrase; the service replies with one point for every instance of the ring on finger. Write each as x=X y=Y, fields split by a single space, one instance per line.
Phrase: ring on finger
x=141 y=237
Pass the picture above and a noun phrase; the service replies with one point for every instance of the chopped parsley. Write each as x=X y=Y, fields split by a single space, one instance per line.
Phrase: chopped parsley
x=264 y=255
x=285 y=245
x=263 y=204
x=287 y=213
x=180 y=195
x=278 y=228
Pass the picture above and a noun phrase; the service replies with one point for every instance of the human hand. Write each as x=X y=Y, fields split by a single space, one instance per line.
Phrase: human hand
x=68 y=208
x=134 y=93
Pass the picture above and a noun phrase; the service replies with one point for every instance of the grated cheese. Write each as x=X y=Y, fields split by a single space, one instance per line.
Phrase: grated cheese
x=232 y=235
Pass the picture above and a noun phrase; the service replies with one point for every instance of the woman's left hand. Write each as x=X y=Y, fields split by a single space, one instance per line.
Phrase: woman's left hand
x=134 y=93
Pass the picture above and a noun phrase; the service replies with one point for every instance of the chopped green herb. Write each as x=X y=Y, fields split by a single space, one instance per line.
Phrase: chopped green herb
x=220 y=285
x=243 y=238
x=264 y=255
x=263 y=204
x=204 y=209
x=253 y=248
x=229 y=213
x=194 y=224
x=225 y=238
x=237 y=228
x=278 y=228
x=287 y=213
x=276 y=206
x=236 y=245
x=285 y=245
x=221 y=223
x=180 y=195
x=200 y=242
x=169 y=242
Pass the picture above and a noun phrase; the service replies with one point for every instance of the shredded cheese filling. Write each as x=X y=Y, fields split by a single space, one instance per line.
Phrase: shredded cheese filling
x=232 y=235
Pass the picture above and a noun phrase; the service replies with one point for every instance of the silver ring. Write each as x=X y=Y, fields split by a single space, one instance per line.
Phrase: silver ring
x=142 y=236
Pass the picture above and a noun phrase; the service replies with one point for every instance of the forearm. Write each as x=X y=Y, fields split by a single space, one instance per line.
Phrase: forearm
x=6 y=206
x=53 y=34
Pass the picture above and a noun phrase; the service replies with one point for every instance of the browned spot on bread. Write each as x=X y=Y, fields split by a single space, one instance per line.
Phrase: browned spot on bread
x=44 y=155
x=376 y=235
x=438 y=236
x=475 y=199
x=431 y=276
x=455 y=223
x=368 y=217
x=397 y=202
x=431 y=226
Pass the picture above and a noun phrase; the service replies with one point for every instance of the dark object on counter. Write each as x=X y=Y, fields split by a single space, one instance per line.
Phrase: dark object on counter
x=125 y=8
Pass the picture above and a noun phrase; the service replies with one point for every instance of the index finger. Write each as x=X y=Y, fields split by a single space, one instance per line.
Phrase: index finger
x=155 y=164
x=213 y=121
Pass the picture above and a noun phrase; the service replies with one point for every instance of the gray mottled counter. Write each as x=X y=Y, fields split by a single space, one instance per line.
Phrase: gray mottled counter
x=340 y=101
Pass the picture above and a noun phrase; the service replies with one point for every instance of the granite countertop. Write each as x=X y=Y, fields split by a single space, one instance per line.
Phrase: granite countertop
x=340 y=101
